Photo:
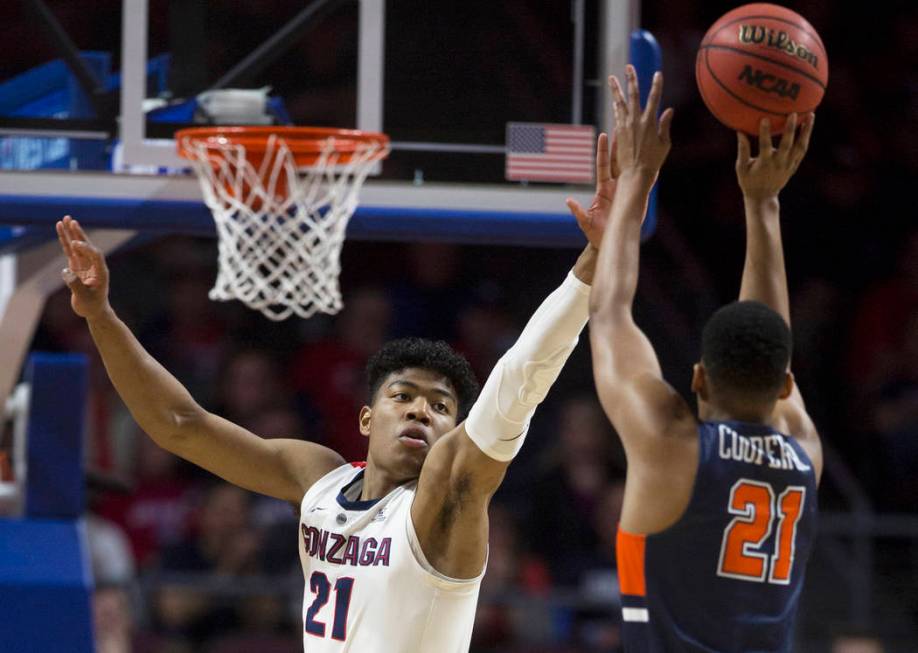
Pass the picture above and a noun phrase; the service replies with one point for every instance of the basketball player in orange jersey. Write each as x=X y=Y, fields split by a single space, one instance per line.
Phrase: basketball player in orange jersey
x=393 y=550
x=719 y=511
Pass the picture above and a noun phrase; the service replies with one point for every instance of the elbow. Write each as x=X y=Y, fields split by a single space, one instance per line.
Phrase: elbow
x=600 y=301
x=598 y=310
x=604 y=309
x=179 y=425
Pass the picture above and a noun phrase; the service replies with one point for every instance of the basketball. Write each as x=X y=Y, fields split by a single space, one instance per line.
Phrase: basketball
x=761 y=61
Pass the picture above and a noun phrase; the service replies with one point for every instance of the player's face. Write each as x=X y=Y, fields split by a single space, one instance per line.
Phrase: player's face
x=413 y=409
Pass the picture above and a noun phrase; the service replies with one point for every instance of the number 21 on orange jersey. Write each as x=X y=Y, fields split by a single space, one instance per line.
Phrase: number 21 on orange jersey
x=755 y=508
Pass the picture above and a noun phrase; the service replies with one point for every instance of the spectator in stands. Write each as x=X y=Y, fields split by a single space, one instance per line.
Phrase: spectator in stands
x=276 y=520
x=189 y=336
x=426 y=301
x=154 y=514
x=330 y=374
x=113 y=571
x=566 y=497
x=506 y=614
x=224 y=546
x=484 y=331
x=880 y=326
x=252 y=384
x=894 y=418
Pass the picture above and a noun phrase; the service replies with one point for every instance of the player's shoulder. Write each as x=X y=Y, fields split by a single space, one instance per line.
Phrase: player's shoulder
x=795 y=422
x=658 y=412
x=807 y=437
x=334 y=480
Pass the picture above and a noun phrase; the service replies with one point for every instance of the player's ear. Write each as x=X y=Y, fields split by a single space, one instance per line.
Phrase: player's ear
x=366 y=414
x=699 y=381
x=788 y=386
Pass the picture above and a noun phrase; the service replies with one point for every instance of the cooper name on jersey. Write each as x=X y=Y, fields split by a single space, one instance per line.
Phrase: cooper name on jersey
x=341 y=549
x=773 y=450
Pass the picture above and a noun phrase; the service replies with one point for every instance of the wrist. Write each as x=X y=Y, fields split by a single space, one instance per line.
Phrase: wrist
x=585 y=267
x=762 y=207
x=764 y=199
x=640 y=176
x=104 y=313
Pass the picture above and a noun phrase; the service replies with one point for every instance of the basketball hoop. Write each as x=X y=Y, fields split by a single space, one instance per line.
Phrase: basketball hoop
x=281 y=198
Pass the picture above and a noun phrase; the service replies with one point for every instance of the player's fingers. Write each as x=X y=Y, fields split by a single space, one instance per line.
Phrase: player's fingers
x=634 y=96
x=80 y=234
x=743 y=149
x=88 y=251
x=653 y=100
x=765 y=145
x=666 y=121
x=71 y=232
x=62 y=237
x=92 y=257
x=603 y=165
x=613 y=157
x=787 y=137
x=618 y=101
x=72 y=280
x=803 y=142
x=82 y=258
x=577 y=211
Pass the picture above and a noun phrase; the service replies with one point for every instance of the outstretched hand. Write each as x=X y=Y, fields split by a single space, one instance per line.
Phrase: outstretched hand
x=642 y=139
x=592 y=221
x=86 y=273
x=765 y=175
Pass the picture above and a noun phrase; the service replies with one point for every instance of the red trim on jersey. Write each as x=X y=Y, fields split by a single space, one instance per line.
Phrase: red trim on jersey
x=361 y=463
x=629 y=551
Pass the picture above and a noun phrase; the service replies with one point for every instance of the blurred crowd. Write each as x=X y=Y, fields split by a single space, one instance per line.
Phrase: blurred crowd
x=187 y=563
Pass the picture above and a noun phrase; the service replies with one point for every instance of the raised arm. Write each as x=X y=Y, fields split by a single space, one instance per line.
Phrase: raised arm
x=629 y=381
x=466 y=466
x=165 y=410
x=764 y=277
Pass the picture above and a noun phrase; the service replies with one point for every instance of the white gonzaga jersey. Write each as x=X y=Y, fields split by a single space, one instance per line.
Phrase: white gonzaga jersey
x=369 y=588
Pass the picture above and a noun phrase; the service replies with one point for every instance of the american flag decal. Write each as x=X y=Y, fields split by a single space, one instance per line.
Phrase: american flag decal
x=553 y=153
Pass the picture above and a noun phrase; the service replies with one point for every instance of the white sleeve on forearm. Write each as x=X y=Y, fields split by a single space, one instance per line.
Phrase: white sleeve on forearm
x=500 y=417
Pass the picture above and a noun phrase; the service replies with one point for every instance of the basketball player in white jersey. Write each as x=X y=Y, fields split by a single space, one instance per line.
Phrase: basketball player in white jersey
x=394 y=549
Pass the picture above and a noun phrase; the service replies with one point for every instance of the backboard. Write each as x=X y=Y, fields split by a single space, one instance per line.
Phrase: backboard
x=443 y=79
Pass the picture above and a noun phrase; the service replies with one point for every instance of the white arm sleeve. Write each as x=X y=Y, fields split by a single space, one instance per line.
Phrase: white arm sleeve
x=500 y=417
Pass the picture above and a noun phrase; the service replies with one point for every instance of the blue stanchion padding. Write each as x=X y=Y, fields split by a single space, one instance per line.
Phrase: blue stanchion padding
x=45 y=586
x=7 y=235
x=647 y=59
x=57 y=407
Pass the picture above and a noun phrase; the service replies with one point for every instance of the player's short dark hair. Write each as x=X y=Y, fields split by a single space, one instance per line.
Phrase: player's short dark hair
x=745 y=349
x=434 y=355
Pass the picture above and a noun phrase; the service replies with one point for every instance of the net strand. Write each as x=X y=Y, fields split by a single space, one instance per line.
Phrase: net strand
x=280 y=228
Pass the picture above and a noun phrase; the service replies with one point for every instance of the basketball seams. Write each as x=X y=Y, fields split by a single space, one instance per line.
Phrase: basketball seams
x=812 y=34
x=734 y=95
x=701 y=87
x=755 y=55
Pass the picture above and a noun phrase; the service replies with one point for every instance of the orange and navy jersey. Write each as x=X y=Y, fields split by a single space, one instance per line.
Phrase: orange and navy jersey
x=728 y=575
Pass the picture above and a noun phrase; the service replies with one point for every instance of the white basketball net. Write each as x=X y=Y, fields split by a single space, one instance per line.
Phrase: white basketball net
x=280 y=228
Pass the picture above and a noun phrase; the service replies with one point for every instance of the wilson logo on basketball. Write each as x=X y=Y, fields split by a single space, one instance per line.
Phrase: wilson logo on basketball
x=780 y=40
x=770 y=83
